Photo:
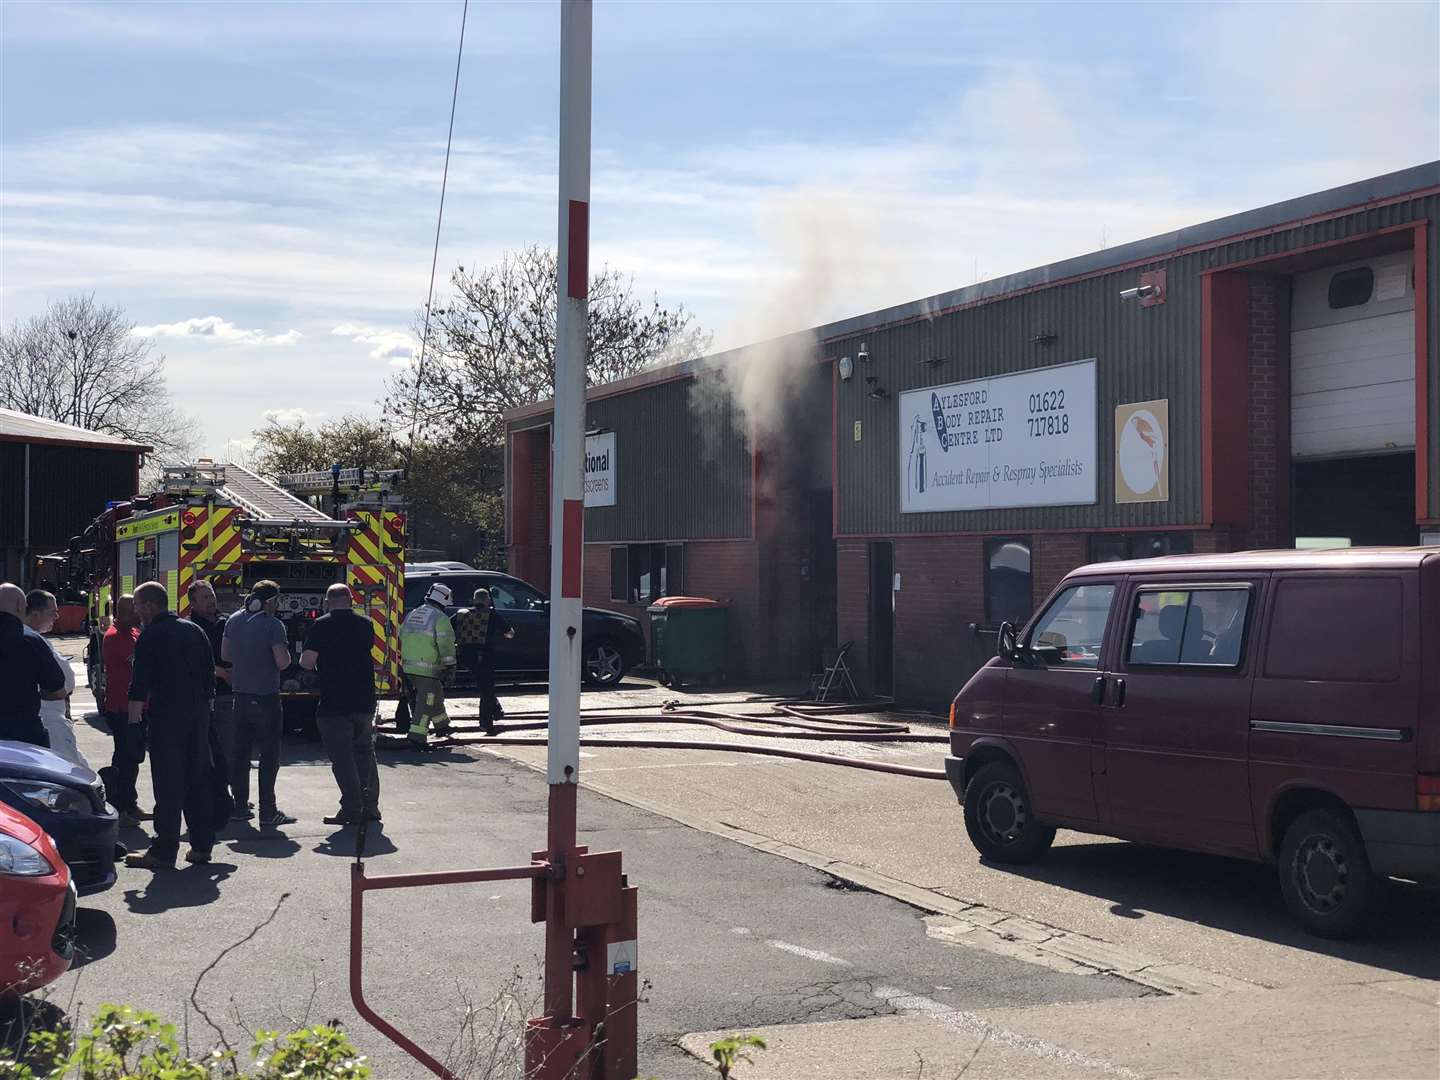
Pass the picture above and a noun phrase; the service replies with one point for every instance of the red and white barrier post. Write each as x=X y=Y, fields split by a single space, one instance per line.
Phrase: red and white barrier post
x=588 y=909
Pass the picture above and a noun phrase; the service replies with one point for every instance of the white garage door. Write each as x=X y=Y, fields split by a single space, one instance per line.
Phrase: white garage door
x=1352 y=359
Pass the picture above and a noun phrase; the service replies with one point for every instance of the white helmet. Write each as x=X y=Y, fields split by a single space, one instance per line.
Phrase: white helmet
x=440 y=594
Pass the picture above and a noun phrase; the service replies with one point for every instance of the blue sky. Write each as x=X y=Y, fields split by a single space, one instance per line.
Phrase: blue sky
x=256 y=183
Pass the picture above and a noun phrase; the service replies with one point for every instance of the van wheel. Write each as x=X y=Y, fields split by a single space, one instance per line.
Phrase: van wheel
x=999 y=819
x=1325 y=875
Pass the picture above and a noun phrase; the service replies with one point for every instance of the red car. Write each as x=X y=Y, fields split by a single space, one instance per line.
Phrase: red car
x=37 y=907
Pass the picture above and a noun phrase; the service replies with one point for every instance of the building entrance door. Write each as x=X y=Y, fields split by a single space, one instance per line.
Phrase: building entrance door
x=1362 y=500
x=1352 y=403
x=882 y=617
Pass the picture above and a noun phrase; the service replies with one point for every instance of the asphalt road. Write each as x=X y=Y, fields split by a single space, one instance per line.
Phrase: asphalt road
x=730 y=937
x=1215 y=915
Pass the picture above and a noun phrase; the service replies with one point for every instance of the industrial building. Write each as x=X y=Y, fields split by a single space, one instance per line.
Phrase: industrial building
x=54 y=479
x=1266 y=379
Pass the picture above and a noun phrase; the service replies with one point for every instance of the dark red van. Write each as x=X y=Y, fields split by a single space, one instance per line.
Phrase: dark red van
x=1271 y=705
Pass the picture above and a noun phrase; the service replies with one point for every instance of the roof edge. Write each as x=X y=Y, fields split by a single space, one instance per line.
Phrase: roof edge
x=1413 y=181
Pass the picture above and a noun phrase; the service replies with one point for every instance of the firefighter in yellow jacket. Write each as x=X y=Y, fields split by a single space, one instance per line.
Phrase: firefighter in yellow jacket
x=427 y=655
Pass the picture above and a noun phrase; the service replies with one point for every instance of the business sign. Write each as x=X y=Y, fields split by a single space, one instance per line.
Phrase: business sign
x=600 y=469
x=1142 y=452
x=1014 y=440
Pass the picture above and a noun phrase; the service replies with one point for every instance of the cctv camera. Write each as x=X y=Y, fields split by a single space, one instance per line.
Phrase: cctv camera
x=1140 y=292
x=862 y=354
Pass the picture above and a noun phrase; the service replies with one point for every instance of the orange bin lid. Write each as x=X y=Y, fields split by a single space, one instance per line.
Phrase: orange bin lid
x=686 y=602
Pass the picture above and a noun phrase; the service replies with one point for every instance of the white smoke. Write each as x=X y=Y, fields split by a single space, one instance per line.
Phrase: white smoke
x=826 y=248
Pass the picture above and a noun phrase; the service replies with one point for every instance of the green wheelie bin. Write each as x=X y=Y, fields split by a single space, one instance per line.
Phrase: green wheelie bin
x=689 y=639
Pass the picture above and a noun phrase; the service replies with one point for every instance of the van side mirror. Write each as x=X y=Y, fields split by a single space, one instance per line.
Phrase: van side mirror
x=1005 y=643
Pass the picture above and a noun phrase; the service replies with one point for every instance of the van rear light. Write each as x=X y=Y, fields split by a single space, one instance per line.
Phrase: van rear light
x=1427 y=792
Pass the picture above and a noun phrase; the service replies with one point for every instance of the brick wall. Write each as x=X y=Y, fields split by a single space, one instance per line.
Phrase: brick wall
x=723 y=570
x=1269 y=412
x=528 y=554
x=1053 y=556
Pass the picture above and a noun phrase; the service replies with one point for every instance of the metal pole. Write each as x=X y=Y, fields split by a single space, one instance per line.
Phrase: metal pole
x=567 y=512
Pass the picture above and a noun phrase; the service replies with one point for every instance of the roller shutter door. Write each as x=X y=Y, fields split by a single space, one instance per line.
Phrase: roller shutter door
x=1352 y=359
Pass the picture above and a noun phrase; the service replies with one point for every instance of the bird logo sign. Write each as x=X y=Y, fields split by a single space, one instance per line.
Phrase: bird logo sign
x=1142 y=459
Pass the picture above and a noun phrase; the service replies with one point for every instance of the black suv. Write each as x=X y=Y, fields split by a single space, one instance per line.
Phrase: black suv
x=613 y=643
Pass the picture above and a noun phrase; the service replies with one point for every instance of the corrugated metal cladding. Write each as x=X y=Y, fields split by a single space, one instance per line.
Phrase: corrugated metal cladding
x=69 y=487
x=682 y=459
x=1141 y=353
x=12 y=494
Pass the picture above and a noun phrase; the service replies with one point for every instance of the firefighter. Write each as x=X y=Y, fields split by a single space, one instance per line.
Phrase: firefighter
x=427 y=655
x=476 y=630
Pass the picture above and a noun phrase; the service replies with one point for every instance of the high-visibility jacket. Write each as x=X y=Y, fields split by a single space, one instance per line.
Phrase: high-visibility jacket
x=427 y=641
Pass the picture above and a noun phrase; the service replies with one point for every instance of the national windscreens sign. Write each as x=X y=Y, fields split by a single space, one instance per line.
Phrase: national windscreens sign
x=600 y=469
x=1013 y=440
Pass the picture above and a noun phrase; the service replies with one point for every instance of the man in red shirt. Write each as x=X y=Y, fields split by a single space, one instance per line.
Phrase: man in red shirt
x=117 y=651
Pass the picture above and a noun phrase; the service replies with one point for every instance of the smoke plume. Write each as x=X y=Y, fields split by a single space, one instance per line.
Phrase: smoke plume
x=826 y=249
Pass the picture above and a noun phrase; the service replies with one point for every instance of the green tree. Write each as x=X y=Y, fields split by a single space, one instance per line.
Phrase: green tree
x=454 y=490
x=492 y=346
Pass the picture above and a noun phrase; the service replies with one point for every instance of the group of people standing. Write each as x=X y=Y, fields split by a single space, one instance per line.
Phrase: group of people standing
x=201 y=696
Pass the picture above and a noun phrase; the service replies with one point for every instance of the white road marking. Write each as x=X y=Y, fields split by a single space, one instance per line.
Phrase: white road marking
x=968 y=1023
x=808 y=954
x=739 y=929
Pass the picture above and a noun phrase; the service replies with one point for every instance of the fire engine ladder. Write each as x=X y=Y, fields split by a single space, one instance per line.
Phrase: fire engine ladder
x=265 y=501
x=357 y=487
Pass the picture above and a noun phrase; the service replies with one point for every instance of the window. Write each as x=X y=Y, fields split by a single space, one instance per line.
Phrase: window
x=642 y=573
x=1351 y=288
x=1115 y=547
x=1335 y=630
x=1008 y=596
x=511 y=595
x=1201 y=627
x=1072 y=630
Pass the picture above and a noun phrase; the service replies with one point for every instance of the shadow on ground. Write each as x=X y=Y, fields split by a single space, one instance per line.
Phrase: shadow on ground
x=193 y=886
x=1242 y=898
x=94 y=936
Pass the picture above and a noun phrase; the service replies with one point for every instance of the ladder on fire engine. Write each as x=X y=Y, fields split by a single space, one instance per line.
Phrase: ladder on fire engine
x=356 y=487
x=259 y=498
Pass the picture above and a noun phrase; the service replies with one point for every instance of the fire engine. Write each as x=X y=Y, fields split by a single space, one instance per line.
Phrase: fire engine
x=227 y=525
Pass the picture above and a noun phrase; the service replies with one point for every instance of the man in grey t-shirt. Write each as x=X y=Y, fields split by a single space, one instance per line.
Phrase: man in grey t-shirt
x=256 y=647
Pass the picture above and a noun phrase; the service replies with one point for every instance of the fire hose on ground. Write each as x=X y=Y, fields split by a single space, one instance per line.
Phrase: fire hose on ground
x=789 y=719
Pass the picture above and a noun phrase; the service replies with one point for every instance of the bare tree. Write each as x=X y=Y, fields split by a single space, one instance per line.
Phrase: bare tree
x=492 y=345
x=78 y=362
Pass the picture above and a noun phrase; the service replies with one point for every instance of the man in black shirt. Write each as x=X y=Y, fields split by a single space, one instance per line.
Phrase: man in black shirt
x=338 y=648
x=205 y=613
x=28 y=672
x=171 y=686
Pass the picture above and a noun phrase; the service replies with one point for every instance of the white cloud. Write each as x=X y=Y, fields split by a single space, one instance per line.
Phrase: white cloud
x=396 y=346
x=291 y=416
x=214 y=328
